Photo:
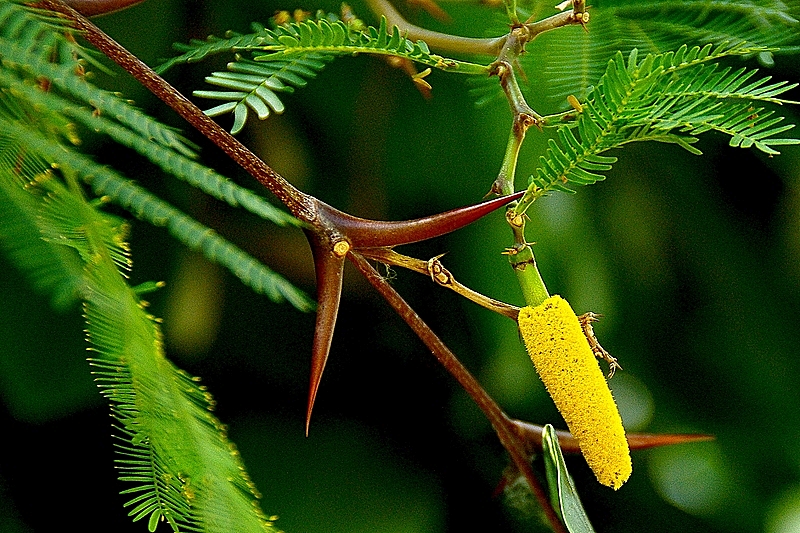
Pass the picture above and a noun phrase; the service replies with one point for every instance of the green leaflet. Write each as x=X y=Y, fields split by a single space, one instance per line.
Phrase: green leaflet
x=671 y=97
x=71 y=97
x=143 y=204
x=40 y=33
x=269 y=62
x=254 y=86
x=199 y=237
x=574 y=59
x=172 y=447
x=172 y=451
x=167 y=156
x=52 y=269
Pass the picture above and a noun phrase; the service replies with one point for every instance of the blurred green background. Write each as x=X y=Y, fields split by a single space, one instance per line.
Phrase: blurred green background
x=693 y=261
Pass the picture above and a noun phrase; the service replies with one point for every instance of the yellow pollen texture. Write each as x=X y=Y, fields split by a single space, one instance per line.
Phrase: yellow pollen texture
x=570 y=372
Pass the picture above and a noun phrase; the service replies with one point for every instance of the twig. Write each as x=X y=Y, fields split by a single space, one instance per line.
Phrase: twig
x=441 y=42
x=441 y=276
x=559 y=20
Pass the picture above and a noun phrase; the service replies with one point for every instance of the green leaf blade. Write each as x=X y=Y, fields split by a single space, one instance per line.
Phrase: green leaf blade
x=563 y=493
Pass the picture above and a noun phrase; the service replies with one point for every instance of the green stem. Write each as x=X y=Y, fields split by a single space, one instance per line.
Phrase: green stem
x=524 y=263
x=530 y=281
x=504 y=183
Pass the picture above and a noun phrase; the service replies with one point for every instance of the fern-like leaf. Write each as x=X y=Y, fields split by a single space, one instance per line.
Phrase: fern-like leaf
x=671 y=98
x=140 y=202
x=149 y=207
x=63 y=80
x=53 y=270
x=173 y=446
x=273 y=61
x=41 y=33
x=254 y=86
x=162 y=154
x=196 y=236
x=170 y=446
x=233 y=42
x=573 y=59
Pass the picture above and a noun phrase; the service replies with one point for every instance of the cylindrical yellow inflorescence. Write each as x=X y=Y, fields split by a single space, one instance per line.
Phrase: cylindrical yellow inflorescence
x=570 y=372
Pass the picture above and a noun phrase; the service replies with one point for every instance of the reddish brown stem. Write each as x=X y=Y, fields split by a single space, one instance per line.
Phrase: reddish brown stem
x=336 y=233
x=362 y=233
x=91 y=8
x=504 y=427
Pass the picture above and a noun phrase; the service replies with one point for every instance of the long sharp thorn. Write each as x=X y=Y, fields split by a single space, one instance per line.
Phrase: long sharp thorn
x=364 y=233
x=642 y=441
x=91 y=8
x=329 y=268
x=532 y=433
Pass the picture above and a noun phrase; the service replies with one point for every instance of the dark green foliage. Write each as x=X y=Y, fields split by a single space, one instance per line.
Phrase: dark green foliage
x=269 y=62
x=672 y=98
x=71 y=98
x=575 y=59
x=170 y=445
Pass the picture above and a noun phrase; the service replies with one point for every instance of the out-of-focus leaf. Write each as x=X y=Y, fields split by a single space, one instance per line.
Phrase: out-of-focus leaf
x=562 y=489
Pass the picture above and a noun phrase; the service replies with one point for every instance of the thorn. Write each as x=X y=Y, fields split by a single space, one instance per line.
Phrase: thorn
x=532 y=435
x=350 y=233
x=363 y=233
x=329 y=267
x=643 y=441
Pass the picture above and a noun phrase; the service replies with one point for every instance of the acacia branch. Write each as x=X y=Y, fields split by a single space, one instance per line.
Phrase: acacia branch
x=506 y=429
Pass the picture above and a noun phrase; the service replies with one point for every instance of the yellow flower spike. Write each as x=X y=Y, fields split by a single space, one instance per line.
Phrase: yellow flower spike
x=570 y=372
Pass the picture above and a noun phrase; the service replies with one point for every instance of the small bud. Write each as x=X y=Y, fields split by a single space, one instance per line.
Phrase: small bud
x=576 y=105
x=341 y=248
x=570 y=372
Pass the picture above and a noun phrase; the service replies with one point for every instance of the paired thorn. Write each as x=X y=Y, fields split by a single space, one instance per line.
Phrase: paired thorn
x=329 y=268
x=336 y=234
x=363 y=233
